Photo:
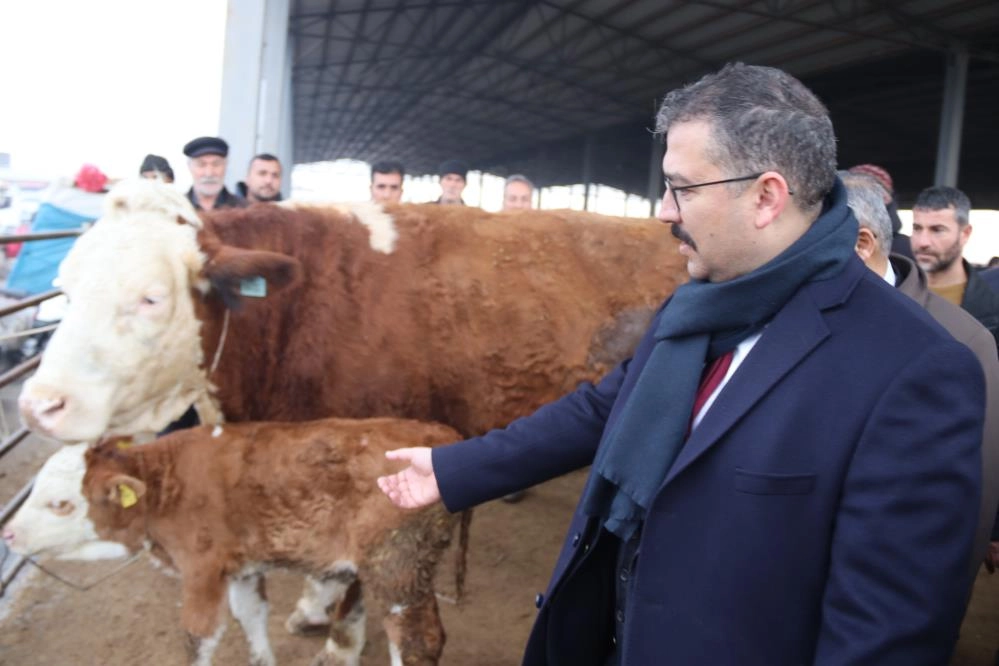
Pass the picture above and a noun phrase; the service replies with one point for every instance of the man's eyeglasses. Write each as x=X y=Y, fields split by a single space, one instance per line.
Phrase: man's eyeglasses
x=673 y=190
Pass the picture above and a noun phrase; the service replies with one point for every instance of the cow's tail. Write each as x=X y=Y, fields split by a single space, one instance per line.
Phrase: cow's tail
x=460 y=556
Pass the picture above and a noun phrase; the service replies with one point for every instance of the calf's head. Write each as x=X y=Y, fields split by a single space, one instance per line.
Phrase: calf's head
x=55 y=519
x=127 y=357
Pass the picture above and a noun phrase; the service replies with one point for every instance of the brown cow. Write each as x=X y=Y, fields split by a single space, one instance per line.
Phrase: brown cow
x=222 y=505
x=438 y=313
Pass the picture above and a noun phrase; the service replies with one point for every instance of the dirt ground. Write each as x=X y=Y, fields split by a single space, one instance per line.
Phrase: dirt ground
x=132 y=617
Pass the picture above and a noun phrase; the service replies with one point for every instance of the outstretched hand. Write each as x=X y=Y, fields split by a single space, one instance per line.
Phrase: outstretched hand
x=416 y=485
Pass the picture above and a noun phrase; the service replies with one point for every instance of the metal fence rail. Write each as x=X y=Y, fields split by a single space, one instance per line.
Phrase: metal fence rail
x=14 y=374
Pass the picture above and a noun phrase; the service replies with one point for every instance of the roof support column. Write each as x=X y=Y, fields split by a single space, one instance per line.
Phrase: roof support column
x=951 y=118
x=587 y=170
x=654 y=191
x=255 y=114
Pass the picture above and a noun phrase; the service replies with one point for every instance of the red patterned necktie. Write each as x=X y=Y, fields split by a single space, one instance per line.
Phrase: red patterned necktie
x=712 y=376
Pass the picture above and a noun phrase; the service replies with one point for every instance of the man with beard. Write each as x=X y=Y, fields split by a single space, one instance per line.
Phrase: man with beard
x=874 y=247
x=263 y=180
x=774 y=479
x=207 y=162
x=940 y=229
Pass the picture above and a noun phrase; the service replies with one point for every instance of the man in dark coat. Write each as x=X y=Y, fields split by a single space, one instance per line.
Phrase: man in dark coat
x=874 y=249
x=775 y=479
x=940 y=229
x=206 y=158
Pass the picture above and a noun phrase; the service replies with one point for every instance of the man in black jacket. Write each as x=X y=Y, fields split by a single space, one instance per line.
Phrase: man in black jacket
x=940 y=230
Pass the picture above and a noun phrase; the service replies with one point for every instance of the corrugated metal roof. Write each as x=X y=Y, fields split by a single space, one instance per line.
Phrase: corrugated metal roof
x=513 y=85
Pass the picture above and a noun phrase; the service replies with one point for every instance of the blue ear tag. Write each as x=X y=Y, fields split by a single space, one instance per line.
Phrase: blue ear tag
x=255 y=287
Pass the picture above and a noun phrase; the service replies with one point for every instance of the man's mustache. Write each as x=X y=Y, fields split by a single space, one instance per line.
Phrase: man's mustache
x=209 y=181
x=682 y=235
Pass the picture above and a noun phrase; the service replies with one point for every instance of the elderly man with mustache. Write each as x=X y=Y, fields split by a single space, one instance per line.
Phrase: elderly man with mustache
x=207 y=161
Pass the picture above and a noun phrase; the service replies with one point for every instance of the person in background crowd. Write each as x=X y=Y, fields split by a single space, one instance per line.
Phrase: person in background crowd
x=900 y=243
x=518 y=193
x=68 y=205
x=263 y=180
x=940 y=229
x=386 y=182
x=154 y=167
x=452 y=178
x=207 y=156
x=767 y=481
x=990 y=274
x=874 y=249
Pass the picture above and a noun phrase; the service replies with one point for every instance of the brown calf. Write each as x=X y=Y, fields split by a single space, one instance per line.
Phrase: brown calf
x=222 y=505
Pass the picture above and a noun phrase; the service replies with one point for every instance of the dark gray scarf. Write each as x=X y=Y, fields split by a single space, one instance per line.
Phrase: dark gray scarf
x=701 y=321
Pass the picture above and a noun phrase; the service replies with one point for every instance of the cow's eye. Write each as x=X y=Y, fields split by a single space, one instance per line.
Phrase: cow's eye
x=150 y=300
x=60 y=507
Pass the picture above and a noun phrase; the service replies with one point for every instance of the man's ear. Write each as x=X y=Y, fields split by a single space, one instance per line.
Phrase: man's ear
x=772 y=197
x=965 y=233
x=125 y=490
x=236 y=272
x=866 y=244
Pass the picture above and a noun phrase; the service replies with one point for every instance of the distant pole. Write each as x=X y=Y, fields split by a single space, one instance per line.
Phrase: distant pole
x=951 y=118
x=655 y=173
x=587 y=170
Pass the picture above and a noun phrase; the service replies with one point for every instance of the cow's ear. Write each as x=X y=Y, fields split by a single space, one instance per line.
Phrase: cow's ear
x=236 y=272
x=125 y=490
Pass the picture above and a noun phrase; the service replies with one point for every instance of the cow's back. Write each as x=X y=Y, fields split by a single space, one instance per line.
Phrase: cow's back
x=473 y=320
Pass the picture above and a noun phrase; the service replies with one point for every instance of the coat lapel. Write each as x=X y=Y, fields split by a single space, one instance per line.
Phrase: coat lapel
x=790 y=337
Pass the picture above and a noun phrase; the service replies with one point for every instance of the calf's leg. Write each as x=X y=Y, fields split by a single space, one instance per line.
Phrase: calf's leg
x=415 y=633
x=248 y=604
x=311 y=614
x=347 y=619
x=201 y=614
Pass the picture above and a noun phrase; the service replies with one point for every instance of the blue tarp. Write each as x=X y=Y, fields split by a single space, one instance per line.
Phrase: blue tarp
x=38 y=262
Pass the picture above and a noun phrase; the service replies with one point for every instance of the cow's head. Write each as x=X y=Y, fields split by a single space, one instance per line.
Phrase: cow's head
x=54 y=519
x=127 y=357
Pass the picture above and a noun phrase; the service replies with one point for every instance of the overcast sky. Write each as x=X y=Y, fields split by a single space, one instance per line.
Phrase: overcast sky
x=107 y=81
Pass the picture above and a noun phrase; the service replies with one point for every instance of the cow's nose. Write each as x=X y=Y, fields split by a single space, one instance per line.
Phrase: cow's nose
x=40 y=412
x=8 y=535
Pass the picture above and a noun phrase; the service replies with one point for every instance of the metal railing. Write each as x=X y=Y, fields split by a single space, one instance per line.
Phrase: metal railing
x=14 y=374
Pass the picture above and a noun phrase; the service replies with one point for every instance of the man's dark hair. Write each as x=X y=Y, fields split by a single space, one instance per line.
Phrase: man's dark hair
x=761 y=119
x=388 y=166
x=942 y=197
x=266 y=157
x=156 y=163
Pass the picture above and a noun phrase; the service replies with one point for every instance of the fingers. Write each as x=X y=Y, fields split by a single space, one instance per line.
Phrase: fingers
x=402 y=454
x=391 y=486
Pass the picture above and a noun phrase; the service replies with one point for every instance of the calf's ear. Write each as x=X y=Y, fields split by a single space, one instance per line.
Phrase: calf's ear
x=125 y=490
x=236 y=273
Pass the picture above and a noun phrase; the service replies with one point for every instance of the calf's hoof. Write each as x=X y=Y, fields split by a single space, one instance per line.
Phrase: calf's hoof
x=327 y=658
x=298 y=624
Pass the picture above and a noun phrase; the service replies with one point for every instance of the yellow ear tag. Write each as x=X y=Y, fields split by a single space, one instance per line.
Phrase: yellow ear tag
x=127 y=496
x=124 y=443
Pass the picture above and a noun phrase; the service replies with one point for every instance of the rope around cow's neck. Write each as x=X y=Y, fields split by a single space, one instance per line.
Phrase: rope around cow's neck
x=218 y=349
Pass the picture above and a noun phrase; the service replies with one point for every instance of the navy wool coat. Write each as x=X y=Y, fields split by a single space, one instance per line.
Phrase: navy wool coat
x=821 y=513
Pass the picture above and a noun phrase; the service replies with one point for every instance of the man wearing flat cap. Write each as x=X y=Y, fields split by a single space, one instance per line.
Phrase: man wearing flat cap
x=452 y=178
x=207 y=161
